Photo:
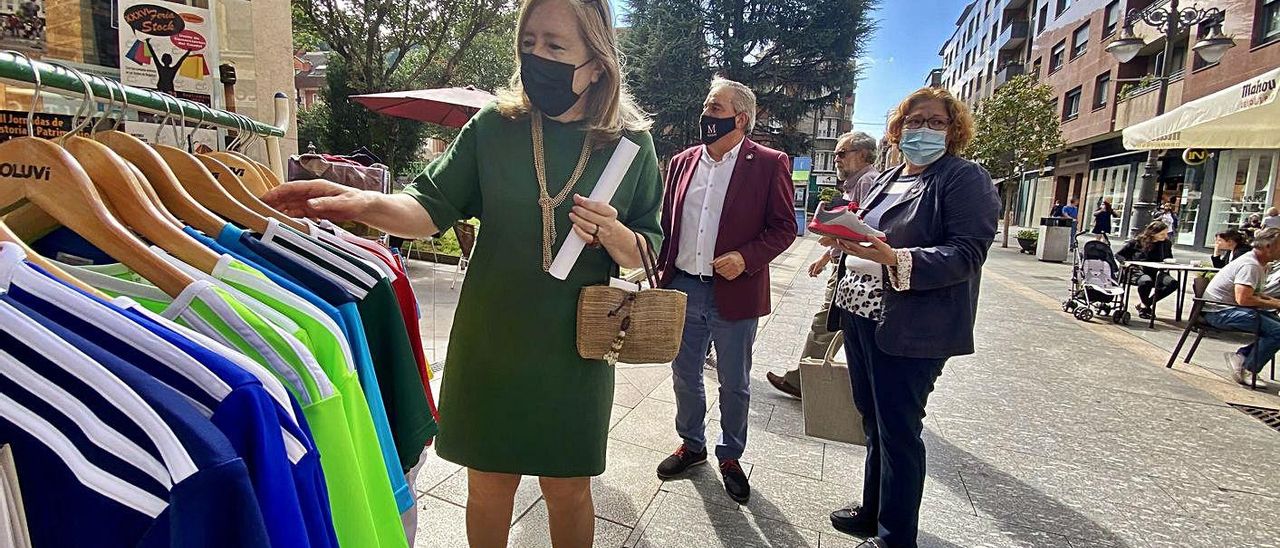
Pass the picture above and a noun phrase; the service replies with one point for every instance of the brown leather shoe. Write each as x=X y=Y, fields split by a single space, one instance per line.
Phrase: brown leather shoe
x=780 y=382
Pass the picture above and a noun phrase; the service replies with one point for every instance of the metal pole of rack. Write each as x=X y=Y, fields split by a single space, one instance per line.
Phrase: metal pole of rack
x=54 y=79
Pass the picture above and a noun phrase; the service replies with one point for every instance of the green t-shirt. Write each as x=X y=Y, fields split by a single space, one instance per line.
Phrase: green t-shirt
x=394 y=364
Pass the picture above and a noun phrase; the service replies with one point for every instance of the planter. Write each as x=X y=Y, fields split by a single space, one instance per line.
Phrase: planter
x=1028 y=244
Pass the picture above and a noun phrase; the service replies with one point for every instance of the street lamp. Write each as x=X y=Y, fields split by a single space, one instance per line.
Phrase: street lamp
x=1172 y=21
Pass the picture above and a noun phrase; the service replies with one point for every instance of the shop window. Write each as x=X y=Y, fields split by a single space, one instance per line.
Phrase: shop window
x=1071 y=105
x=1111 y=18
x=1057 y=56
x=1242 y=187
x=1269 y=22
x=1080 y=40
x=1101 y=90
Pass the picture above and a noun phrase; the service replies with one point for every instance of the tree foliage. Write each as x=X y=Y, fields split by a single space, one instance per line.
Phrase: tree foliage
x=795 y=54
x=1017 y=129
x=390 y=45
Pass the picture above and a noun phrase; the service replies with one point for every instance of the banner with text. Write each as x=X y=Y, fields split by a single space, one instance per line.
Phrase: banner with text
x=165 y=47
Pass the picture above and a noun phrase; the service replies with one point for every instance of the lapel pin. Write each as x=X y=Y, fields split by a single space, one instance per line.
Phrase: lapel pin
x=750 y=156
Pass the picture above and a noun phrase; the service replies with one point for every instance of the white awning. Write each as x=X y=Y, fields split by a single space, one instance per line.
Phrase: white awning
x=1245 y=115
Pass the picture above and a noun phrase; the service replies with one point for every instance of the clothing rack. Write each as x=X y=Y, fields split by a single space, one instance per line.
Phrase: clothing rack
x=15 y=68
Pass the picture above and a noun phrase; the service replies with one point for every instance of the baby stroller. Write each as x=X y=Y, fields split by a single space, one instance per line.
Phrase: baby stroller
x=1095 y=284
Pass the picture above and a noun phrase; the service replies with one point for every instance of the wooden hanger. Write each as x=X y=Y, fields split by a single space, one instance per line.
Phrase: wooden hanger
x=234 y=185
x=247 y=171
x=203 y=187
x=150 y=193
x=163 y=181
x=45 y=174
x=115 y=181
x=7 y=235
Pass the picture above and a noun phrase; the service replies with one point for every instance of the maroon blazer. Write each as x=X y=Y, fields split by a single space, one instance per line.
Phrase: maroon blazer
x=758 y=221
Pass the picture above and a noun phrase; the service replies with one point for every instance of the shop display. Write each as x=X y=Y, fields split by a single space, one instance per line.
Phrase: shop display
x=209 y=386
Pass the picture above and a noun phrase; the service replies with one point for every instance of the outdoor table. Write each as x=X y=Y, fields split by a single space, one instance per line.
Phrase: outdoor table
x=1179 y=271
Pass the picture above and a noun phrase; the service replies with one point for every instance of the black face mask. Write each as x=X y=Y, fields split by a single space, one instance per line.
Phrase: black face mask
x=548 y=83
x=712 y=129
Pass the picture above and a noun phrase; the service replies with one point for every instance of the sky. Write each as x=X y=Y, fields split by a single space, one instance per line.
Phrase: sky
x=898 y=57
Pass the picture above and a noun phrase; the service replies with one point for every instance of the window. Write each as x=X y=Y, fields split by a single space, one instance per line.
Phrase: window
x=1057 y=56
x=1111 y=18
x=995 y=32
x=1063 y=5
x=1035 y=67
x=1101 y=90
x=1080 y=40
x=1269 y=21
x=829 y=128
x=1043 y=19
x=823 y=161
x=1071 y=105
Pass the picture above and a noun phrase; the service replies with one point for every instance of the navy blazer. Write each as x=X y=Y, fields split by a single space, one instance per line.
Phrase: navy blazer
x=947 y=221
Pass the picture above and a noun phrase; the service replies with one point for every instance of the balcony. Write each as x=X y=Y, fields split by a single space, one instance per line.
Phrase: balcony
x=1139 y=104
x=1013 y=4
x=1008 y=72
x=1013 y=36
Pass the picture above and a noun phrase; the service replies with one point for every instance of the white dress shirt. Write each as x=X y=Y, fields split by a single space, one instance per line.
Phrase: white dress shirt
x=703 y=204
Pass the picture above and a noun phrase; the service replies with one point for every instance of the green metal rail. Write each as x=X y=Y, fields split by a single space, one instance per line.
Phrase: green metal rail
x=60 y=80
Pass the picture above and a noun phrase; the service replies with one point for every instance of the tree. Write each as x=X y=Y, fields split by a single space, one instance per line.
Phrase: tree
x=795 y=54
x=1017 y=129
x=389 y=45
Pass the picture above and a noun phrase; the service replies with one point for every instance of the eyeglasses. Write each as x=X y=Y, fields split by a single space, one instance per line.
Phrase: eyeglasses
x=840 y=154
x=936 y=124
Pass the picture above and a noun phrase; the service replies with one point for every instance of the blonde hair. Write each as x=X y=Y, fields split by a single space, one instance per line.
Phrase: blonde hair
x=610 y=108
x=959 y=134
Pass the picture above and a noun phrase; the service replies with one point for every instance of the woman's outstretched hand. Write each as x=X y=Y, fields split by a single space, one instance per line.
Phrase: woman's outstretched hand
x=319 y=199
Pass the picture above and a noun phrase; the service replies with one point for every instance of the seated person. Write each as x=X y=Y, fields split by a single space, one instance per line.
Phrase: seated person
x=1228 y=246
x=1152 y=245
x=1237 y=285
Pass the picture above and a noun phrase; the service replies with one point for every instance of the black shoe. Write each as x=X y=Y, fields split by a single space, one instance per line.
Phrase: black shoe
x=873 y=542
x=679 y=462
x=780 y=382
x=854 y=521
x=735 y=481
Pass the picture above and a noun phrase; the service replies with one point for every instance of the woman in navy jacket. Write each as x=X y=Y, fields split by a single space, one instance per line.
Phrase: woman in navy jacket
x=908 y=304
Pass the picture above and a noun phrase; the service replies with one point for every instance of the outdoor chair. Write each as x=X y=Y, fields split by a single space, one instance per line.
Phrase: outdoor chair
x=466 y=233
x=1197 y=323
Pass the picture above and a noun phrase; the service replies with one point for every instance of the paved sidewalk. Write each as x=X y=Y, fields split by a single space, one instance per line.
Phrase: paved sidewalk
x=1057 y=433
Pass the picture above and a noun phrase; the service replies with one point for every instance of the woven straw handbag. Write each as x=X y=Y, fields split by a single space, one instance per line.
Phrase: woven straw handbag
x=645 y=326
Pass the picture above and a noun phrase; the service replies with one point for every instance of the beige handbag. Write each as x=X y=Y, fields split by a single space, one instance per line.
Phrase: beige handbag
x=645 y=326
x=829 y=412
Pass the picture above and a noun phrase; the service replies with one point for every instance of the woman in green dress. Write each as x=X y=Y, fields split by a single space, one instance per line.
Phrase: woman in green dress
x=517 y=398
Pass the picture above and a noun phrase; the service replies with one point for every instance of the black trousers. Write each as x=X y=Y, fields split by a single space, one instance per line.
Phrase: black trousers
x=1153 y=288
x=891 y=393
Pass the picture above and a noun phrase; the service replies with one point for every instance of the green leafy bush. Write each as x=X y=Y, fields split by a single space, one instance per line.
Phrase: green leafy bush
x=1028 y=234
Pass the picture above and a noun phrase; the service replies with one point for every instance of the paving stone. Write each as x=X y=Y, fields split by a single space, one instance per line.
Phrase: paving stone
x=645 y=378
x=454 y=490
x=681 y=522
x=533 y=531
x=617 y=415
x=626 y=394
x=651 y=425
x=799 y=456
x=705 y=483
x=440 y=523
x=433 y=471
x=628 y=484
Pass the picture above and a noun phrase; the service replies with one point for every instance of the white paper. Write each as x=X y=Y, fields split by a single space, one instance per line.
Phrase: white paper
x=603 y=192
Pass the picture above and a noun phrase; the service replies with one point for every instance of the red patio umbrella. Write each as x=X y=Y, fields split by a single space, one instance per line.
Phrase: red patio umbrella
x=449 y=107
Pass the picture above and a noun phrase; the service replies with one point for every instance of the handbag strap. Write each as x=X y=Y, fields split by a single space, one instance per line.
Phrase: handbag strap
x=835 y=345
x=647 y=259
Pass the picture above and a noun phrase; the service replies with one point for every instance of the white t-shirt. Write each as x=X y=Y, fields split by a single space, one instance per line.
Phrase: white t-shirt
x=1245 y=270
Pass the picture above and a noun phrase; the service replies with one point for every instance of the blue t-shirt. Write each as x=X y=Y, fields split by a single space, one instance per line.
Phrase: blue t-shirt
x=213 y=477
x=233 y=399
x=1070 y=211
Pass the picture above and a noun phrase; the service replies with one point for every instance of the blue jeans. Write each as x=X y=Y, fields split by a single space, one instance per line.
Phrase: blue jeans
x=733 y=341
x=891 y=393
x=1245 y=319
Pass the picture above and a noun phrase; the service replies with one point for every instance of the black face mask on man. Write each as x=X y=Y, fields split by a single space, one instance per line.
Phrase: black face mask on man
x=712 y=128
x=548 y=83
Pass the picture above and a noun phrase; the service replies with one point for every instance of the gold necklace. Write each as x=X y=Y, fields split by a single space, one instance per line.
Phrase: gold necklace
x=545 y=202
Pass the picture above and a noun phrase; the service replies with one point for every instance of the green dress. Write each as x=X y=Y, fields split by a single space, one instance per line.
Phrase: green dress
x=517 y=397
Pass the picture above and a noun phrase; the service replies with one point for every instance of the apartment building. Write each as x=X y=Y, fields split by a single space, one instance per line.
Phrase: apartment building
x=1097 y=97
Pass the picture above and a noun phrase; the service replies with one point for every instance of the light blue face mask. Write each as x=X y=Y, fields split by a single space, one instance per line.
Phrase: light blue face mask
x=923 y=146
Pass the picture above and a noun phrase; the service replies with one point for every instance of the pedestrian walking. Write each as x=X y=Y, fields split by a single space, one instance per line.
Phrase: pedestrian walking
x=1239 y=284
x=855 y=152
x=907 y=303
x=1102 y=218
x=519 y=400
x=727 y=214
x=1151 y=245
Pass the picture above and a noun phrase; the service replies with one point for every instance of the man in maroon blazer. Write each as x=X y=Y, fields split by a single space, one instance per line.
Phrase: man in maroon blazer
x=728 y=213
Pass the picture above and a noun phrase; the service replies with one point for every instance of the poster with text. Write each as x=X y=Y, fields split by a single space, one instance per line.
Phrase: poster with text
x=200 y=139
x=165 y=47
x=22 y=27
